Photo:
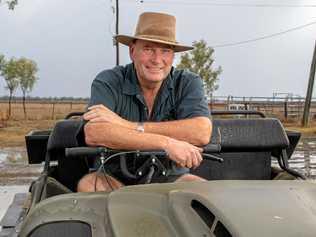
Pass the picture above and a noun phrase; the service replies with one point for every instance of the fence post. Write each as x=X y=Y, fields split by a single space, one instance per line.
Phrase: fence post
x=228 y=102
x=53 y=112
x=285 y=110
x=246 y=106
x=309 y=90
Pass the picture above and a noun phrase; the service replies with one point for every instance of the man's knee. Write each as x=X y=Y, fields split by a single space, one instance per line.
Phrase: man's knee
x=189 y=178
x=86 y=183
x=93 y=182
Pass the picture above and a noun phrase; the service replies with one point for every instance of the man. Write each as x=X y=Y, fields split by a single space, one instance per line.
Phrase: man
x=149 y=105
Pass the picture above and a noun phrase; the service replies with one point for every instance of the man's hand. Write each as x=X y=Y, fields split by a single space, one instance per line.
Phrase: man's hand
x=100 y=113
x=184 y=154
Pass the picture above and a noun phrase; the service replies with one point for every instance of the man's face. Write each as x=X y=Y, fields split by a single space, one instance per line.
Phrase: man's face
x=153 y=61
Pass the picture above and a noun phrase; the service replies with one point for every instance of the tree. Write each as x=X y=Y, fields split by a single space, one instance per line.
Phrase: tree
x=26 y=70
x=9 y=73
x=11 y=3
x=2 y=62
x=199 y=60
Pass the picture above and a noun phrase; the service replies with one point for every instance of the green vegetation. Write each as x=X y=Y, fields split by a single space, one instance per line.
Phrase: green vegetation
x=8 y=72
x=18 y=73
x=11 y=3
x=200 y=60
x=26 y=70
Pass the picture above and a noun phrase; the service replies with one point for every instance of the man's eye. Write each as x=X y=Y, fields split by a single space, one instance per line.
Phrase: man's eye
x=148 y=50
x=166 y=51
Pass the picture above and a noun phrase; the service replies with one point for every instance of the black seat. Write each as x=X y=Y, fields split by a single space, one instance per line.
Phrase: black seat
x=66 y=133
x=246 y=147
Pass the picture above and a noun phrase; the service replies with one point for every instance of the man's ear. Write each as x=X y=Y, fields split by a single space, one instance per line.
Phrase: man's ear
x=131 y=51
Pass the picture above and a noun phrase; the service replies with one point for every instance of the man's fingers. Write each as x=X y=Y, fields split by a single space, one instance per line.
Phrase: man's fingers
x=87 y=116
x=90 y=112
x=182 y=164
x=199 y=158
x=189 y=160
x=99 y=106
x=90 y=115
x=195 y=160
x=96 y=120
x=184 y=154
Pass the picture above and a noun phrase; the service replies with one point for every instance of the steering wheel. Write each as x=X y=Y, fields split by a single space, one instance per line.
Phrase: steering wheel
x=151 y=165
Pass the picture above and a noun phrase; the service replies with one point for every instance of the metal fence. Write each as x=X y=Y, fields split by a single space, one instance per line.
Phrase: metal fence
x=40 y=109
x=284 y=108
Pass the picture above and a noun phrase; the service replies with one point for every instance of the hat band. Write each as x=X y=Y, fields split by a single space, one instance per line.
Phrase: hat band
x=155 y=37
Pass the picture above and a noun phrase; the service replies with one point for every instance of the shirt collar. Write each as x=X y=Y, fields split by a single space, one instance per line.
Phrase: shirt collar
x=131 y=86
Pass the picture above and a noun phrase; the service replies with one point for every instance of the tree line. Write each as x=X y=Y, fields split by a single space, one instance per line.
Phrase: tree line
x=18 y=73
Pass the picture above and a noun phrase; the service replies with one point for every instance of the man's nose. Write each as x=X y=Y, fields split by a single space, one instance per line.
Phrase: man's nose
x=157 y=55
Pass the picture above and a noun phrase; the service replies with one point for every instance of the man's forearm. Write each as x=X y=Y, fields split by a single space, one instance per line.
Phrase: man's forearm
x=196 y=131
x=118 y=137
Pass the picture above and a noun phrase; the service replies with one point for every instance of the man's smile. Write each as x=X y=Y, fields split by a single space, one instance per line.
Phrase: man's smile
x=154 y=69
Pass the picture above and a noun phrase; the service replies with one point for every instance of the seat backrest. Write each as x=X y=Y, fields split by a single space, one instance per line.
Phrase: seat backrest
x=264 y=134
x=64 y=135
x=67 y=133
x=246 y=147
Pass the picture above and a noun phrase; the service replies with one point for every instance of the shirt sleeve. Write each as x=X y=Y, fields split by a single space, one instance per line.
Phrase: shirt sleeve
x=102 y=93
x=192 y=101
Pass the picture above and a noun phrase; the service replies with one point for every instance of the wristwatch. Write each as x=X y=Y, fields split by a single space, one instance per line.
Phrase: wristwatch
x=140 y=127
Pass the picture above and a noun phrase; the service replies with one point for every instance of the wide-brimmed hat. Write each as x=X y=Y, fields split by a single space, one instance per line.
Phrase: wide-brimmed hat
x=155 y=27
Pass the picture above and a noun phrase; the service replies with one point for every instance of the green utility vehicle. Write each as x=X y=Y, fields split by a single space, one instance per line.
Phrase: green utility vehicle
x=245 y=194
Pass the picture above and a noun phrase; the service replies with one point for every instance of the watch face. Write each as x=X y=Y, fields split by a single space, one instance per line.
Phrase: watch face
x=140 y=127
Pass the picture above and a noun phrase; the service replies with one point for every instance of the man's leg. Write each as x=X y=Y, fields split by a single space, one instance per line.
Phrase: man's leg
x=189 y=178
x=93 y=182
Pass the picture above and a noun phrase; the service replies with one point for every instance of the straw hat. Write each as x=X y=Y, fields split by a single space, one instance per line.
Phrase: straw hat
x=155 y=27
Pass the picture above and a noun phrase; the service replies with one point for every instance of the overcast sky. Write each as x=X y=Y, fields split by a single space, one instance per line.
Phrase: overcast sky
x=71 y=41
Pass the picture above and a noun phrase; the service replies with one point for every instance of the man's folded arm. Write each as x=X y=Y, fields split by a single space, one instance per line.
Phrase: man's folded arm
x=118 y=137
x=196 y=131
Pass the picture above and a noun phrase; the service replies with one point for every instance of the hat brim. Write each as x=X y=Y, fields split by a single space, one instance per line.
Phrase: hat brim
x=127 y=40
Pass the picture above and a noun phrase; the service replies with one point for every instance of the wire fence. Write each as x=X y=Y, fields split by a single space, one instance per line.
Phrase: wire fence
x=40 y=109
x=285 y=108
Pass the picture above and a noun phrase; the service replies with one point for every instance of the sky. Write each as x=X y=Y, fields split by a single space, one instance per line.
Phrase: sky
x=71 y=41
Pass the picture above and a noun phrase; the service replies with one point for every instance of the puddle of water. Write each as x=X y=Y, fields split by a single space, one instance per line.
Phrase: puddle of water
x=13 y=155
x=6 y=196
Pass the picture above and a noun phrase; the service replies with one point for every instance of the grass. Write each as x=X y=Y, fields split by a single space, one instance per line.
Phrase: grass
x=13 y=134
x=41 y=115
x=306 y=131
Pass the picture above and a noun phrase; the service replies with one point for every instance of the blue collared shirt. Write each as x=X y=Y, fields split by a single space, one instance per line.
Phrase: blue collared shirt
x=181 y=95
